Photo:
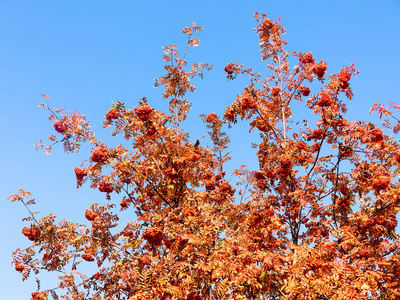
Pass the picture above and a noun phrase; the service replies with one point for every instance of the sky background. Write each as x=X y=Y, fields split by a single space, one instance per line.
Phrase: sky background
x=85 y=54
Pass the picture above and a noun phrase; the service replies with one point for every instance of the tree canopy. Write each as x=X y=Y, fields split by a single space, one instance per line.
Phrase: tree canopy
x=316 y=220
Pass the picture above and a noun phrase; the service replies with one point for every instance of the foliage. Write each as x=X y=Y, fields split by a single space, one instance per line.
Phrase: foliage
x=316 y=220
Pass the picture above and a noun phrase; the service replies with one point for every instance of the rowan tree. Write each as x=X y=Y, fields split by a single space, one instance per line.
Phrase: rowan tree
x=316 y=220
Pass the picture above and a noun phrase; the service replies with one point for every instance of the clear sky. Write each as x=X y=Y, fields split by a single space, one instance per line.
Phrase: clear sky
x=84 y=54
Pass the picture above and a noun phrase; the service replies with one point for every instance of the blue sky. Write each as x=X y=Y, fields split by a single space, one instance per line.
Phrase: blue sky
x=84 y=54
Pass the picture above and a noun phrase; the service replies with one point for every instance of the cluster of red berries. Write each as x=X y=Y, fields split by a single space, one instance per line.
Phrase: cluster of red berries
x=171 y=173
x=87 y=257
x=173 y=170
x=80 y=173
x=369 y=225
x=210 y=186
x=59 y=126
x=267 y=25
x=212 y=118
x=112 y=114
x=300 y=145
x=143 y=112
x=315 y=134
x=124 y=203
x=18 y=266
x=99 y=155
x=226 y=188
x=284 y=167
x=366 y=253
x=216 y=183
x=270 y=174
x=376 y=135
x=344 y=190
x=258 y=175
x=324 y=100
x=381 y=183
x=194 y=156
x=32 y=233
x=128 y=233
x=153 y=236
x=305 y=91
x=248 y=103
x=319 y=70
x=230 y=68
x=39 y=296
x=230 y=114
x=105 y=187
x=307 y=58
x=90 y=215
x=344 y=78
x=151 y=130
x=285 y=161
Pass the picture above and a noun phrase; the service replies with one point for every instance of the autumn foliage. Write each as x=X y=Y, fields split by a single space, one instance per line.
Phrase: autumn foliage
x=316 y=220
